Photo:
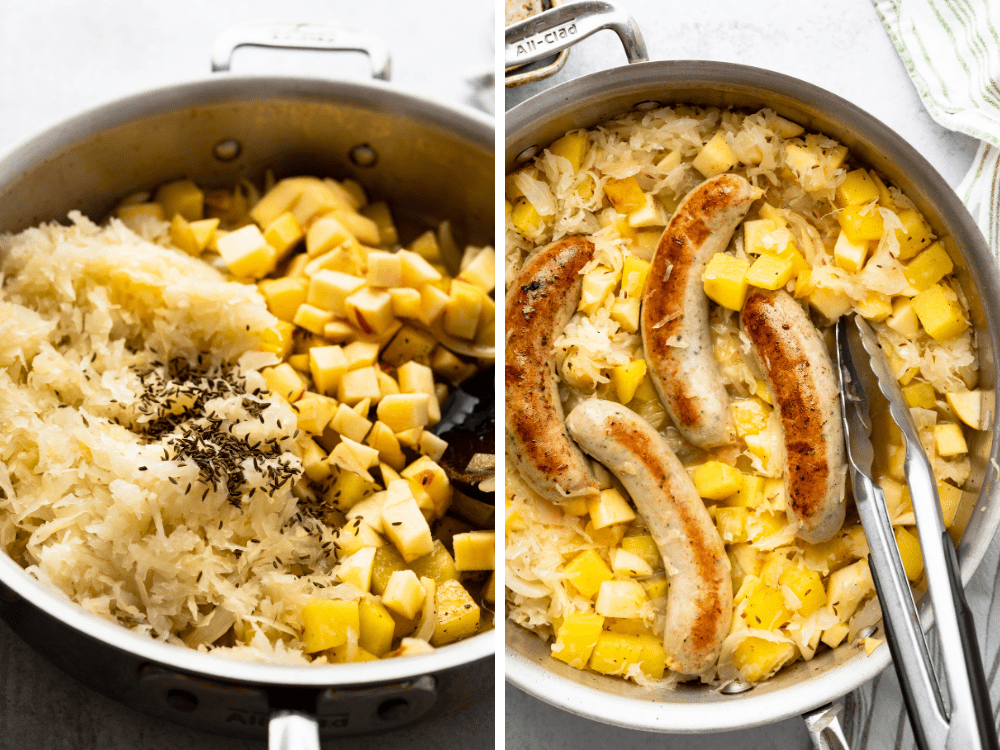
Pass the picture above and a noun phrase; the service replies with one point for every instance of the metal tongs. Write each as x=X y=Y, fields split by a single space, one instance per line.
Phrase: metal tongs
x=963 y=720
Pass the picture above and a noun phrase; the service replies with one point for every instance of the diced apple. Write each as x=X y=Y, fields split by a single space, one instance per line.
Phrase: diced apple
x=357 y=568
x=313 y=319
x=182 y=197
x=247 y=253
x=404 y=524
x=404 y=411
x=329 y=290
x=404 y=594
x=384 y=269
x=370 y=310
x=357 y=385
x=966 y=405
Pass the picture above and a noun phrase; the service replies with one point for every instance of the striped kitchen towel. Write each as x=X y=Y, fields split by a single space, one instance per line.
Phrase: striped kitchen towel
x=951 y=49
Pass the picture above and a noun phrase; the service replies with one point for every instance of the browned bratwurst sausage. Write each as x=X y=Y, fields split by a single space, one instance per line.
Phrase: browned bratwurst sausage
x=675 y=333
x=700 y=597
x=540 y=302
x=796 y=364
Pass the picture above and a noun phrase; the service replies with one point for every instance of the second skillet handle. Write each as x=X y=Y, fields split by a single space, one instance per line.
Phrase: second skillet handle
x=311 y=36
x=291 y=730
x=561 y=27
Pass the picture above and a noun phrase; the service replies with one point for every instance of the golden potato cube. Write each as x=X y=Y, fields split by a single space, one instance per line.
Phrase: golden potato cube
x=384 y=269
x=573 y=147
x=403 y=593
x=325 y=623
x=966 y=406
x=461 y=313
x=313 y=319
x=625 y=563
x=614 y=653
x=405 y=302
x=856 y=189
x=382 y=216
x=356 y=568
x=598 y=283
x=757 y=658
x=283 y=234
x=325 y=234
x=427 y=247
x=625 y=312
x=750 y=494
x=874 y=306
x=409 y=345
x=481 y=270
x=928 y=268
x=354 y=457
x=525 y=218
x=382 y=439
x=432 y=446
x=432 y=303
x=417 y=378
x=284 y=295
x=316 y=200
x=920 y=394
x=191 y=237
x=909 y=553
x=314 y=462
x=904 y=318
x=847 y=587
x=361 y=227
x=343 y=258
x=360 y=354
x=832 y=304
x=404 y=411
x=914 y=236
x=357 y=385
x=715 y=480
x=387 y=386
x=279 y=339
x=348 y=489
x=950 y=497
x=940 y=313
x=715 y=157
x=284 y=381
x=404 y=524
x=182 y=197
x=949 y=440
x=576 y=638
x=247 y=253
x=807 y=585
x=609 y=508
x=625 y=195
x=370 y=310
x=627 y=378
x=835 y=635
x=314 y=413
x=754 y=233
x=415 y=270
x=725 y=280
x=620 y=598
x=350 y=196
x=765 y=608
x=338 y=331
x=329 y=290
x=438 y=565
x=387 y=561
x=449 y=366
x=376 y=625
x=277 y=201
x=750 y=415
x=327 y=365
x=635 y=272
x=732 y=524
x=769 y=272
x=850 y=256
x=458 y=614
x=644 y=547
x=656 y=585
x=475 y=550
x=587 y=571
x=861 y=223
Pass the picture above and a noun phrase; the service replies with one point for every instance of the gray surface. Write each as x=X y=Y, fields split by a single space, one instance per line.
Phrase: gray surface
x=60 y=57
x=838 y=45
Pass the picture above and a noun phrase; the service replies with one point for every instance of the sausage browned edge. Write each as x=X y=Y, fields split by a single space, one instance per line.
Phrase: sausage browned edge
x=539 y=304
x=800 y=375
x=700 y=597
x=674 y=305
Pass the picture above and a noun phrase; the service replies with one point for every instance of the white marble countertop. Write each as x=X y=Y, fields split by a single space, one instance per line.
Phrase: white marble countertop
x=839 y=45
x=59 y=57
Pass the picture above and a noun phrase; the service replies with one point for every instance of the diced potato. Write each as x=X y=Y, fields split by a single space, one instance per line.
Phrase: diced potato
x=481 y=270
x=572 y=146
x=950 y=497
x=403 y=593
x=415 y=270
x=284 y=295
x=432 y=303
x=725 y=280
x=626 y=379
x=625 y=311
x=847 y=587
x=384 y=269
x=643 y=547
x=750 y=415
x=609 y=508
x=620 y=598
x=182 y=197
x=404 y=411
x=835 y=635
x=715 y=480
x=427 y=247
x=449 y=366
x=348 y=422
x=329 y=290
x=656 y=585
x=438 y=565
x=380 y=214
x=417 y=378
x=387 y=561
x=914 y=236
x=324 y=235
x=279 y=339
x=349 y=194
x=525 y=218
x=949 y=440
x=404 y=524
x=909 y=553
x=246 y=253
x=920 y=394
x=598 y=283
x=966 y=405
x=370 y=310
x=614 y=653
x=461 y=313
x=361 y=228
x=770 y=272
x=861 y=223
x=354 y=457
x=405 y=302
x=850 y=256
x=277 y=201
x=732 y=524
x=832 y=304
x=715 y=157
x=856 y=189
x=904 y=318
x=807 y=586
x=749 y=495
x=929 y=267
x=349 y=539
x=587 y=571
x=758 y=658
x=357 y=385
x=625 y=195
x=314 y=413
x=325 y=623
x=940 y=313
x=625 y=563
x=283 y=234
x=744 y=561
x=360 y=354
x=327 y=365
x=874 y=306
x=192 y=237
x=348 y=489
x=377 y=627
x=284 y=381
x=457 y=614
x=766 y=608
x=576 y=638
x=429 y=476
x=651 y=214
x=357 y=568
x=316 y=200
x=432 y=446
x=382 y=439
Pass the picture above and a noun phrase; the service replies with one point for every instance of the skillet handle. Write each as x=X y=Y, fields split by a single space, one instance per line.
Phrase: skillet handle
x=563 y=26
x=290 y=35
x=824 y=727
x=292 y=730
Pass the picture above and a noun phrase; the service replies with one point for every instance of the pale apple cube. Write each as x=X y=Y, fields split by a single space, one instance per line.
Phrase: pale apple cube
x=651 y=214
x=316 y=200
x=384 y=269
x=405 y=302
x=350 y=194
x=357 y=568
x=327 y=365
x=313 y=319
x=432 y=303
x=715 y=157
x=609 y=508
x=461 y=314
x=449 y=366
x=415 y=270
x=246 y=253
x=283 y=234
x=284 y=381
x=349 y=423
x=404 y=411
x=314 y=412
x=342 y=258
x=364 y=229
x=354 y=457
x=330 y=290
x=432 y=446
x=357 y=385
x=370 y=310
x=417 y=378
x=481 y=270
x=338 y=331
x=382 y=439
x=361 y=354
x=325 y=234
x=404 y=524
x=370 y=511
x=620 y=598
x=410 y=438
x=967 y=406
x=598 y=283
x=403 y=594
x=626 y=563
x=850 y=256
x=475 y=550
x=386 y=385
x=904 y=318
x=277 y=201
x=625 y=312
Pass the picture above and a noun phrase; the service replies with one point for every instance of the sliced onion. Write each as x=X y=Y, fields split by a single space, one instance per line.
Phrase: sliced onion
x=428 y=618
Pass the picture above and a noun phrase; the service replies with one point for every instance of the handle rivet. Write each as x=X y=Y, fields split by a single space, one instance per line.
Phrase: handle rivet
x=394 y=709
x=182 y=700
x=736 y=687
x=227 y=149
x=646 y=106
x=364 y=156
x=527 y=154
